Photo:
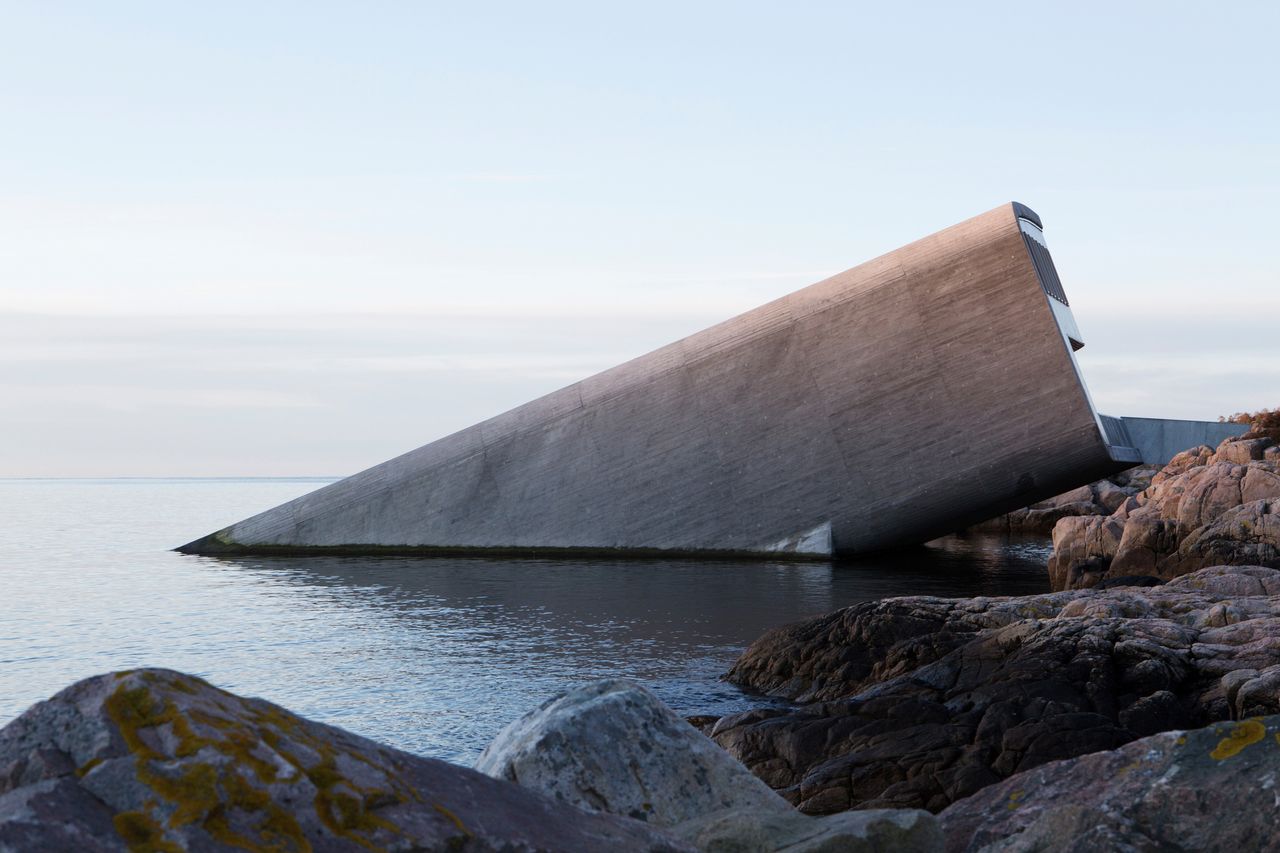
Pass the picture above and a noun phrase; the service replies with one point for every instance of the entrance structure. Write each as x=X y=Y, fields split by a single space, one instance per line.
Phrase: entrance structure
x=922 y=391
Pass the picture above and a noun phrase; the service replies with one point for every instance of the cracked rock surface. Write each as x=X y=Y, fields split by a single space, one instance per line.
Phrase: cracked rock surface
x=919 y=702
x=161 y=761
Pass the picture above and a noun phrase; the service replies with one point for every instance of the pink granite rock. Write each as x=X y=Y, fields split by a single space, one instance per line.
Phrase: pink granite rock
x=1202 y=509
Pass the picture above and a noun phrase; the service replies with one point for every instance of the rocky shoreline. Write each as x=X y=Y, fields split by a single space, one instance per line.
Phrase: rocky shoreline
x=920 y=702
x=1041 y=748
x=1136 y=707
x=1206 y=507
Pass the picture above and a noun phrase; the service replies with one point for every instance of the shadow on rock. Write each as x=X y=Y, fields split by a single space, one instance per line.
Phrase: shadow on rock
x=919 y=702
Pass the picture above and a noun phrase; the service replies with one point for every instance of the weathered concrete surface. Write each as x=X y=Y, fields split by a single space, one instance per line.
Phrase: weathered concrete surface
x=1210 y=789
x=1160 y=439
x=612 y=746
x=922 y=701
x=768 y=433
x=160 y=761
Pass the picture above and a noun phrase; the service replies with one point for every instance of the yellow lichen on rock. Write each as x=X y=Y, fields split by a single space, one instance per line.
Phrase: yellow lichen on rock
x=84 y=769
x=457 y=821
x=1244 y=733
x=202 y=792
x=142 y=833
x=155 y=761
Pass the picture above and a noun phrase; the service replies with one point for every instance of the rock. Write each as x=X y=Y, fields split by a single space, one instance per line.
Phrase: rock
x=1209 y=789
x=1196 y=457
x=919 y=702
x=1084 y=494
x=1110 y=496
x=1241 y=451
x=1204 y=508
x=1084 y=547
x=1128 y=580
x=612 y=746
x=1251 y=693
x=1249 y=533
x=1134 y=480
x=703 y=722
x=1100 y=498
x=157 y=760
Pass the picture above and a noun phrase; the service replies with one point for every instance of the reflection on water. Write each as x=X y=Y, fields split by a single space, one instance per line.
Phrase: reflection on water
x=431 y=655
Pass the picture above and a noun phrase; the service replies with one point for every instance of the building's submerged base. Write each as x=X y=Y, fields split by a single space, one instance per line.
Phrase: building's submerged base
x=215 y=545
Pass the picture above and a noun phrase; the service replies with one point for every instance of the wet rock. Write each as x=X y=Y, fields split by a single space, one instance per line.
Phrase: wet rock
x=612 y=746
x=1205 y=508
x=1209 y=789
x=158 y=760
x=919 y=702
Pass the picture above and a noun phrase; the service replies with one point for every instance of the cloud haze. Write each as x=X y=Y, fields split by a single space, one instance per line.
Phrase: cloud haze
x=299 y=239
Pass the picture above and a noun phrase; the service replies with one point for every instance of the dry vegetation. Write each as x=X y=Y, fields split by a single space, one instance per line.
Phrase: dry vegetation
x=1264 y=423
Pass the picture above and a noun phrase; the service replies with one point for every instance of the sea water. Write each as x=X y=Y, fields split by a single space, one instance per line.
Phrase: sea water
x=430 y=655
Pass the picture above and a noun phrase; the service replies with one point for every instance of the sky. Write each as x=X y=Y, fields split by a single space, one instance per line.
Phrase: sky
x=300 y=238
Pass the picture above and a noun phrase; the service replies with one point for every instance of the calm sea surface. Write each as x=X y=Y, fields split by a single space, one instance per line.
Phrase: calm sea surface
x=430 y=655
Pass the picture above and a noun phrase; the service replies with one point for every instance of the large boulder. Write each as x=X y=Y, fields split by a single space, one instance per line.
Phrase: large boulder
x=1206 y=507
x=919 y=702
x=612 y=746
x=1210 y=789
x=157 y=760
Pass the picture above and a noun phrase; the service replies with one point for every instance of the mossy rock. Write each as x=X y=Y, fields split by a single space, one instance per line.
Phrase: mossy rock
x=155 y=760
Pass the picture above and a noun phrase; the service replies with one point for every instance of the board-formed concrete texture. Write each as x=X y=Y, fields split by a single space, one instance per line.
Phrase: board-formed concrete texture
x=1158 y=439
x=927 y=389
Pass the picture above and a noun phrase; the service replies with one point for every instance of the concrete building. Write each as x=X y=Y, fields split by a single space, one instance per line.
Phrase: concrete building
x=927 y=389
x=1159 y=439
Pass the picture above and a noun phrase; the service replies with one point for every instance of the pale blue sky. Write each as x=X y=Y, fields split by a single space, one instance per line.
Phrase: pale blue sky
x=303 y=238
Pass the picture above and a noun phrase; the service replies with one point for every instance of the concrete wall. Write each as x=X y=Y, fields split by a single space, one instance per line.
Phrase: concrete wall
x=1159 y=439
x=897 y=401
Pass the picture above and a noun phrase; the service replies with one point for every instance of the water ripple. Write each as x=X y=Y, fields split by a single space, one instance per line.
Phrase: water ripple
x=433 y=656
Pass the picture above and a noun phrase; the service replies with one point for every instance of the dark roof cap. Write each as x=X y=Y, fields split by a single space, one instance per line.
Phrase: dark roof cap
x=1023 y=212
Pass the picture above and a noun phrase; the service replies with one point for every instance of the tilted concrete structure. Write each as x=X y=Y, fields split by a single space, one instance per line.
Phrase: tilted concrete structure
x=932 y=387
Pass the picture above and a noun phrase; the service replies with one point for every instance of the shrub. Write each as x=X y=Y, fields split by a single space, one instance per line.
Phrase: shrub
x=1264 y=423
